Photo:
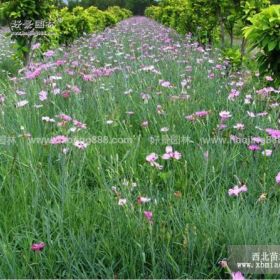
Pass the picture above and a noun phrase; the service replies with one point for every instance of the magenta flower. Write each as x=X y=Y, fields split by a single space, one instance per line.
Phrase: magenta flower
x=170 y=154
x=59 y=139
x=277 y=178
x=148 y=215
x=34 y=74
x=237 y=276
x=201 y=114
x=235 y=191
x=273 y=133
x=254 y=147
x=38 y=246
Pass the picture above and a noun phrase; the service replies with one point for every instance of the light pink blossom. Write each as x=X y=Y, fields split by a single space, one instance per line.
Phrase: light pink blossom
x=59 y=139
x=171 y=154
x=236 y=190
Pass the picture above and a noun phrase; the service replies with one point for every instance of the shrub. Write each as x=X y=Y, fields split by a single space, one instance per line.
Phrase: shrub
x=117 y=12
x=66 y=29
x=96 y=19
x=233 y=55
x=109 y=19
x=4 y=13
x=263 y=35
x=69 y=25
x=154 y=12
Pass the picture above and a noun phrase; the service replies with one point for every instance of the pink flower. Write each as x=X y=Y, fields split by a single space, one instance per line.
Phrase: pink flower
x=225 y=115
x=43 y=95
x=79 y=124
x=269 y=78
x=49 y=53
x=277 y=178
x=233 y=94
x=59 y=62
x=60 y=139
x=235 y=191
x=254 y=147
x=34 y=74
x=201 y=114
x=38 y=246
x=64 y=117
x=36 y=46
x=170 y=154
x=237 y=276
x=239 y=126
x=151 y=158
x=80 y=145
x=148 y=215
x=274 y=133
x=258 y=140
x=165 y=84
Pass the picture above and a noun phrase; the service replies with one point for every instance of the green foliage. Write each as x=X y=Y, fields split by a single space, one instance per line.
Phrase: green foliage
x=263 y=35
x=233 y=55
x=136 y=6
x=119 y=13
x=4 y=13
x=22 y=11
x=69 y=25
x=153 y=12
x=195 y=16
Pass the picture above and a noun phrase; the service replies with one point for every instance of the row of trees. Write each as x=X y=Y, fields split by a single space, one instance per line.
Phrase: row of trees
x=217 y=20
x=207 y=19
x=136 y=6
x=28 y=18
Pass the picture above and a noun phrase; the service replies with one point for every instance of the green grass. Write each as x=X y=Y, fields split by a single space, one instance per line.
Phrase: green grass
x=66 y=200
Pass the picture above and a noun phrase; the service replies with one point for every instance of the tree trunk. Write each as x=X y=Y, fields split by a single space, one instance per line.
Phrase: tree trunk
x=222 y=33
x=27 y=54
x=243 y=46
x=231 y=38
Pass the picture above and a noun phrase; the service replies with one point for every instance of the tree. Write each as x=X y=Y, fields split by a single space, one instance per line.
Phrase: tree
x=22 y=17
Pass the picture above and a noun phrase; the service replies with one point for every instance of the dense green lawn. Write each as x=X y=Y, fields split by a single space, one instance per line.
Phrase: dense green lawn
x=68 y=197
